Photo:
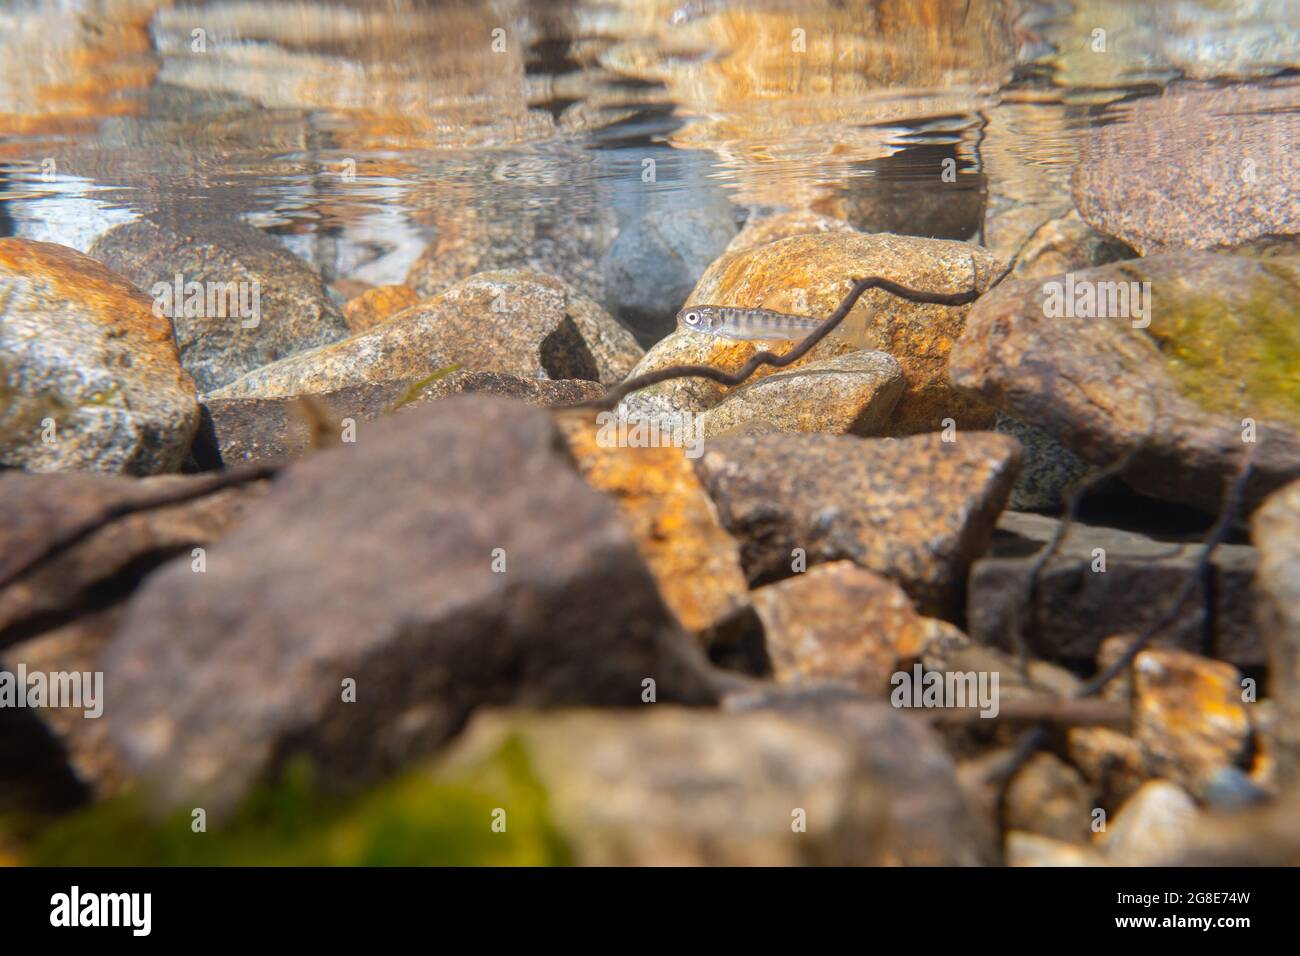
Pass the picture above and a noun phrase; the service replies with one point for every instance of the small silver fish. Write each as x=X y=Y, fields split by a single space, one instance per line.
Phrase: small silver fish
x=732 y=322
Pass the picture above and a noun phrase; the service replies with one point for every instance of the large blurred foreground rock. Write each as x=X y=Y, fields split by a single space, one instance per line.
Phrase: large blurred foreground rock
x=765 y=784
x=380 y=593
x=37 y=509
x=1276 y=531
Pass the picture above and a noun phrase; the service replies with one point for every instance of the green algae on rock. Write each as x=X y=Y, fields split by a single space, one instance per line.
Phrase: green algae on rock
x=408 y=820
x=1222 y=329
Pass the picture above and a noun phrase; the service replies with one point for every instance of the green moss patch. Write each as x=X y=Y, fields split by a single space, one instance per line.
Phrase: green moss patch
x=415 y=819
x=1237 y=351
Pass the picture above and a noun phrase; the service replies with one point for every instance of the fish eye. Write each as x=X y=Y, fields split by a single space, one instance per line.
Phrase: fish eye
x=692 y=317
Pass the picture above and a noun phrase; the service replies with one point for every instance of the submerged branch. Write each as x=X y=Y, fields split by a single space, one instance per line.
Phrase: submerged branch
x=730 y=379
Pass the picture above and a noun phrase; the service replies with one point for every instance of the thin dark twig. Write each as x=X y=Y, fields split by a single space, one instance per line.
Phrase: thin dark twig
x=619 y=392
x=1035 y=738
x=1071 y=516
x=1227 y=519
x=1077 y=494
x=197 y=488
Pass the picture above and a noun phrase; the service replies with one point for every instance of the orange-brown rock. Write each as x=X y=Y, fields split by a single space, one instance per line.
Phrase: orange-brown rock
x=694 y=561
x=89 y=375
x=839 y=622
x=855 y=392
x=800 y=222
x=811 y=274
x=1188 y=715
x=377 y=305
x=513 y=322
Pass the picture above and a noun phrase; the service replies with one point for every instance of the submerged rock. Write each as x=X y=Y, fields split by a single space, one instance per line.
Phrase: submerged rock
x=854 y=392
x=89 y=376
x=76 y=737
x=916 y=510
x=1049 y=470
x=239 y=430
x=811 y=274
x=567 y=242
x=802 y=222
x=693 y=395
x=1112 y=761
x=36 y=510
x=1034 y=849
x=259 y=303
x=1207 y=380
x=1079 y=604
x=1153 y=827
x=655 y=262
x=1049 y=797
x=694 y=561
x=1195 y=167
x=373 y=306
x=931 y=822
x=667 y=786
x=380 y=593
x=1188 y=716
x=840 y=622
x=1276 y=531
x=512 y=322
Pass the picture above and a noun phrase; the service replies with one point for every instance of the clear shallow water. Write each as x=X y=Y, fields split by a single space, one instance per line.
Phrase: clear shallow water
x=360 y=131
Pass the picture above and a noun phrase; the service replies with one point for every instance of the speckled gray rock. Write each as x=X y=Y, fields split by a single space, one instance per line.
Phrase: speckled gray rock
x=854 y=392
x=512 y=322
x=374 y=562
x=1195 y=167
x=917 y=510
x=655 y=262
x=282 y=309
x=1049 y=469
x=1078 y=608
x=1276 y=532
x=89 y=376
